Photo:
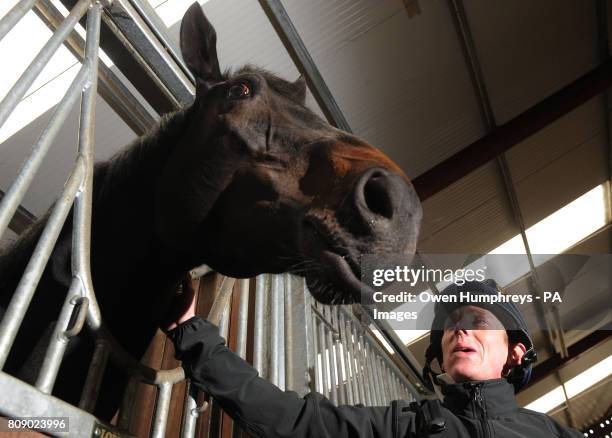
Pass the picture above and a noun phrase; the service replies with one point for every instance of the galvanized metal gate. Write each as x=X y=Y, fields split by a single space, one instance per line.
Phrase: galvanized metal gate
x=296 y=343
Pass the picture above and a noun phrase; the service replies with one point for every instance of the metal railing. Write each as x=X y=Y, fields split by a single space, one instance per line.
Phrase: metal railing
x=298 y=344
x=314 y=347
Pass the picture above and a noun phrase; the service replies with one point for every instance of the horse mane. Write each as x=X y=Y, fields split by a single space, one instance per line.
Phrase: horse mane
x=140 y=155
x=109 y=177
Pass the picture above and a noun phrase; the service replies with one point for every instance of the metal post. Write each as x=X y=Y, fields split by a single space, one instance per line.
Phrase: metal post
x=59 y=341
x=27 y=285
x=243 y=315
x=324 y=358
x=333 y=366
x=376 y=370
x=371 y=371
x=288 y=333
x=127 y=405
x=161 y=410
x=351 y=340
x=81 y=235
x=28 y=77
x=318 y=366
x=191 y=412
x=367 y=387
x=258 y=349
x=276 y=320
x=358 y=366
x=338 y=348
x=348 y=368
x=385 y=381
x=94 y=376
x=14 y=15
x=111 y=88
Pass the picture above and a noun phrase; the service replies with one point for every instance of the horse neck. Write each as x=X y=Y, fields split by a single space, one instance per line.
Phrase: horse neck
x=124 y=197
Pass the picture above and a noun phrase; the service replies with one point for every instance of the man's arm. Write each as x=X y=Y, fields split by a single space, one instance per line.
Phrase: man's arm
x=261 y=408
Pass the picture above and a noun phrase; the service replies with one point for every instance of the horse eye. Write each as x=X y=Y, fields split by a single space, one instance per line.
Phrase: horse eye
x=238 y=91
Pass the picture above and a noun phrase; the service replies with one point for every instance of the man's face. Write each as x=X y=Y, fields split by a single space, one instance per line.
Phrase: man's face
x=475 y=345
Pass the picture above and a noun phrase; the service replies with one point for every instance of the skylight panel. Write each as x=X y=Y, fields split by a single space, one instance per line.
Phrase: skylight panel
x=574 y=386
x=569 y=225
x=171 y=11
x=21 y=45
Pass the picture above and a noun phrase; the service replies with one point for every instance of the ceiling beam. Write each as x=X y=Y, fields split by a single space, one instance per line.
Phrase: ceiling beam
x=504 y=137
x=551 y=365
x=468 y=47
x=298 y=52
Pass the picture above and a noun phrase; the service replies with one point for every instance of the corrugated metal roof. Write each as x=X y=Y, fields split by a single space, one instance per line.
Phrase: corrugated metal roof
x=529 y=49
x=401 y=82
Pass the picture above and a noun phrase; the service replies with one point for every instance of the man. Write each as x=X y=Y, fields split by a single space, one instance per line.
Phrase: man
x=485 y=354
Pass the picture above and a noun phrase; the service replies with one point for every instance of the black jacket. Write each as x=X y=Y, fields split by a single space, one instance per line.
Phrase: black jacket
x=471 y=409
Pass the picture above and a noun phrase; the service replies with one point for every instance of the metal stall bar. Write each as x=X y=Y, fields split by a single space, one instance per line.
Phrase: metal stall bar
x=161 y=410
x=324 y=354
x=358 y=368
x=14 y=15
x=260 y=296
x=375 y=376
x=241 y=331
x=317 y=348
x=81 y=241
x=28 y=77
x=243 y=316
x=137 y=35
x=191 y=410
x=110 y=87
x=89 y=395
x=358 y=371
x=331 y=358
x=13 y=197
x=338 y=349
x=353 y=366
x=348 y=368
x=33 y=272
x=59 y=339
x=303 y=61
x=32 y=402
x=288 y=333
x=277 y=372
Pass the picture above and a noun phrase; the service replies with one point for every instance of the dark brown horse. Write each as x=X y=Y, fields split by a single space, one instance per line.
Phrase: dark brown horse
x=246 y=180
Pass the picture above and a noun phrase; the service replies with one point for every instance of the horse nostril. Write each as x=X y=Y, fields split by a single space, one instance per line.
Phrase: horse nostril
x=376 y=195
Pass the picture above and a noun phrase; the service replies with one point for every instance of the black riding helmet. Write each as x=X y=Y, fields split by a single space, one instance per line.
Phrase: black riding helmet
x=508 y=314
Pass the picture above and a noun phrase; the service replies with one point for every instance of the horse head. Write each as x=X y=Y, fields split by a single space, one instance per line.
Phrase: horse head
x=257 y=170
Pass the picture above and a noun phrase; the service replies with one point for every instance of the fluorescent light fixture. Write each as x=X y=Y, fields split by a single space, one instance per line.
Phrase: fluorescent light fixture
x=563 y=228
x=569 y=225
x=382 y=339
x=512 y=246
x=410 y=336
x=574 y=386
x=552 y=235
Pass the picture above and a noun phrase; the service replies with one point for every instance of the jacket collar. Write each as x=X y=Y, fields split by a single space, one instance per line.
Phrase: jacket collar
x=478 y=398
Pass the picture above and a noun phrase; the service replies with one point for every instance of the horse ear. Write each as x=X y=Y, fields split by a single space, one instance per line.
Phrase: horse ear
x=300 y=88
x=199 y=46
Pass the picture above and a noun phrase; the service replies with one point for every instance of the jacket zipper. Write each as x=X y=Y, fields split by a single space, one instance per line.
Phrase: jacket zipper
x=483 y=413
